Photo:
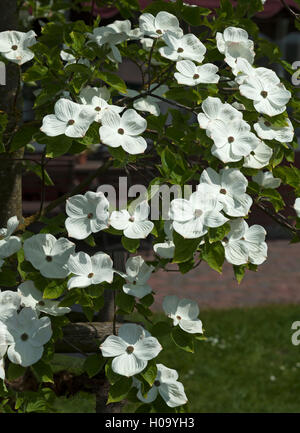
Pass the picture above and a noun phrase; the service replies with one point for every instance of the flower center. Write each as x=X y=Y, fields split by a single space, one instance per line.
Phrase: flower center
x=98 y=108
x=49 y=258
x=121 y=131
x=267 y=123
x=90 y=215
x=252 y=153
x=230 y=139
x=14 y=47
x=24 y=337
x=180 y=50
x=90 y=275
x=264 y=94
x=157 y=383
x=198 y=212
x=130 y=349
x=226 y=240
x=159 y=32
x=41 y=303
x=196 y=76
x=242 y=239
x=71 y=122
x=131 y=219
x=223 y=191
x=178 y=317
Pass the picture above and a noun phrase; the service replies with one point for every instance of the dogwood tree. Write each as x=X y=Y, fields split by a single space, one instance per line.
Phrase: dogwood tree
x=227 y=128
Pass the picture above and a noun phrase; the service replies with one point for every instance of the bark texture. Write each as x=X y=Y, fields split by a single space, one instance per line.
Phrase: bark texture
x=10 y=103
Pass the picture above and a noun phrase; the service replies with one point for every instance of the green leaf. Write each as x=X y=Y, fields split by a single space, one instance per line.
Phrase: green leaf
x=43 y=371
x=55 y=289
x=182 y=339
x=8 y=278
x=22 y=137
x=114 y=81
x=90 y=241
x=14 y=371
x=125 y=302
x=130 y=245
x=239 y=272
x=150 y=373
x=194 y=16
x=214 y=255
x=218 y=233
x=184 y=248
x=58 y=146
x=111 y=375
x=118 y=391
x=160 y=329
x=37 y=169
x=274 y=197
x=94 y=364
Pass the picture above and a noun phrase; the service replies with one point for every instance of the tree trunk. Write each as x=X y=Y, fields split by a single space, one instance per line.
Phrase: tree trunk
x=11 y=104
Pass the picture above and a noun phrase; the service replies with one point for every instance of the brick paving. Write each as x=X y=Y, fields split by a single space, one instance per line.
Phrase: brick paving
x=276 y=281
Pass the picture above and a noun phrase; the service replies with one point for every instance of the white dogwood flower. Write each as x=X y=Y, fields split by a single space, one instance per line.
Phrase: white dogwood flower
x=71 y=60
x=33 y=298
x=266 y=180
x=124 y=131
x=234 y=44
x=70 y=118
x=5 y=340
x=232 y=140
x=229 y=186
x=29 y=335
x=9 y=244
x=183 y=312
x=166 y=249
x=191 y=218
x=164 y=22
x=87 y=214
x=258 y=157
x=99 y=106
x=135 y=224
x=131 y=349
x=2 y=369
x=124 y=27
x=266 y=131
x=15 y=46
x=190 y=75
x=263 y=87
x=297 y=206
x=245 y=244
x=165 y=384
x=90 y=270
x=87 y=94
x=149 y=103
x=137 y=274
x=49 y=255
x=186 y=47
x=214 y=109
x=9 y=303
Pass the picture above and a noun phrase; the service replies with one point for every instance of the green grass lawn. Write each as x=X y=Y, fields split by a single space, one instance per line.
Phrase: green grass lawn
x=247 y=363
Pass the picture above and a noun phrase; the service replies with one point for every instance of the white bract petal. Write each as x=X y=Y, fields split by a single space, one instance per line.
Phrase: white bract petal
x=266 y=131
x=70 y=118
x=132 y=349
x=214 y=109
x=29 y=335
x=49 y=255
x=87 y=94
x=186 y=47
x=166 y=385
x=9 y=244
x=234 y=44
x=135 y=225
x=33 y=298
x=124 y=131
x=258 y=157
x=137 y=275
x=245 y=244
x=297 y=206
x=229 y=188
x=164 y=22
x=9 y=303
x=89 y=270
x=15 y=46
x=87 y=214
x=266 y=180
x=190 y=75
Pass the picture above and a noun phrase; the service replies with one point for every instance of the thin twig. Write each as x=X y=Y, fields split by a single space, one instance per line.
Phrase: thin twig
x=74 y=347
x=279 y=218
x=286 y=6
